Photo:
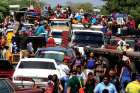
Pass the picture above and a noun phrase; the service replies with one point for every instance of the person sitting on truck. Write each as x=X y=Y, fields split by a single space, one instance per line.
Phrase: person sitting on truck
x=128 y=48
x=51 y=42
x=41 y=29
x=121 y=47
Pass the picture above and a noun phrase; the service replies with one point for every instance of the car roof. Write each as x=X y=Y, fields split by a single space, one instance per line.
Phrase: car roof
x=54 y=49
x=88 y=30
x=92 y=26
x=38 y=59
x=56 y=30
x=60 y=19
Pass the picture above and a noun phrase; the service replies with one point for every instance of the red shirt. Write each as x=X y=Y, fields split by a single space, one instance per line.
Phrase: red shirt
x=85 y=20
x=133 y=24
x=51 y=42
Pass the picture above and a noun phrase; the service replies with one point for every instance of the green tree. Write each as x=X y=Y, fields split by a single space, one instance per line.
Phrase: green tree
x=87 y=7
x=4 y=7
x=131 y=7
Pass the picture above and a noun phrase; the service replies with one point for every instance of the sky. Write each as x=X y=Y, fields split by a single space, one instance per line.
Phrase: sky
x=94 y=2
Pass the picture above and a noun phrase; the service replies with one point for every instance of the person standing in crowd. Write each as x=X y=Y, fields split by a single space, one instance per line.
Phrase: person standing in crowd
x=80 y=73
x=126 y=72
x=57 y=85
x=86 y=52
x=78 y=61
x=90 y=65
x=106 y=84
x=100 y=69
x=65 y=70
x=134 y=86
x=50 y=85
x=114 y=79
x=7 y=53
x=74 y=83
x=90 y=83
x=16 y=39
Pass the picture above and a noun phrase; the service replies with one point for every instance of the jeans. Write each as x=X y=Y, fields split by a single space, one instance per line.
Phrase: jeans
x=65 y=80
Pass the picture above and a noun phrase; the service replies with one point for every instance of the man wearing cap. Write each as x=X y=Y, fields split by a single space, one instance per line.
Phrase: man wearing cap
x=134 y=86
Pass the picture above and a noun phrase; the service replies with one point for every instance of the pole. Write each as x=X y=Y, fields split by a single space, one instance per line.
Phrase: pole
x=30 y=2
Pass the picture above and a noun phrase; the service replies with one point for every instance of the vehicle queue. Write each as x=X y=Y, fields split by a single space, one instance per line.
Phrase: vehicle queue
x=78 y=59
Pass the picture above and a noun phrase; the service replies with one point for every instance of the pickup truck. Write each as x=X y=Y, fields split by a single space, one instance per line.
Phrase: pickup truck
x=7 y=86
x=112 y=57
x=6 y=69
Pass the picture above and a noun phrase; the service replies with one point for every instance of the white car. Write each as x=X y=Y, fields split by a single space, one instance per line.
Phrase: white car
x=35 y=70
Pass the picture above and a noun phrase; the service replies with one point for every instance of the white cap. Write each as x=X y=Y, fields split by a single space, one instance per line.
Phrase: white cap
x=125 y=58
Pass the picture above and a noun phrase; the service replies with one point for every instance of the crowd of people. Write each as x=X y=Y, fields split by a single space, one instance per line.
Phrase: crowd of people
x=87 y=73
x=91 y=74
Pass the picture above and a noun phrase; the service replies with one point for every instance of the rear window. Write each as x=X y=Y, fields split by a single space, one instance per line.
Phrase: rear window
x=57 y=34
x=5 y=65
x=60 y=23
x=36 y=65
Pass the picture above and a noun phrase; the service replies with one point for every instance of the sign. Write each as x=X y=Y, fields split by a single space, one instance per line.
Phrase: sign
x=14 y=6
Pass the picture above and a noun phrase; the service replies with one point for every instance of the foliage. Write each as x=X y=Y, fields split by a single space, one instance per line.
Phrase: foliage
x=87 y=7
x=131 y=7
x=4 y=5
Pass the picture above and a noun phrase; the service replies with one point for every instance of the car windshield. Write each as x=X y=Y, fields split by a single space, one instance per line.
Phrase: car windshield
x=88 y=37
x=57 y=34
x=59 y=23
x=36 y=65
x=58 y=56
x=130 y=42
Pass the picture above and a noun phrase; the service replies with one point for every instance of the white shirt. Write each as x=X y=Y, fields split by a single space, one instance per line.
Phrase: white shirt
x=122 y=41
x=82 y=75
x=64 y=69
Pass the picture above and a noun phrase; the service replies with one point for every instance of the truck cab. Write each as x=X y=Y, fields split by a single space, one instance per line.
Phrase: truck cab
x=82 y=38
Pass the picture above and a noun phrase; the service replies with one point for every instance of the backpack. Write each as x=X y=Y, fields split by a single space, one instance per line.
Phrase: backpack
x=90 y=63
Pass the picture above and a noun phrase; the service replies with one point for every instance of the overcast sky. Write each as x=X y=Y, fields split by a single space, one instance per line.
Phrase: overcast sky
x=54 y=2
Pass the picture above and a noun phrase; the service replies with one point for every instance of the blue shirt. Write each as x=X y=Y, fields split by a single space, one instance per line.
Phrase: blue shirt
x=40 y=30
x=94 y=20
x=101 y=86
